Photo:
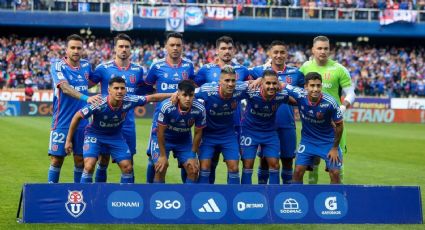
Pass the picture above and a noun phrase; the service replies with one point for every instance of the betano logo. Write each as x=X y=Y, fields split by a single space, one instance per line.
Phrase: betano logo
x=210 y=206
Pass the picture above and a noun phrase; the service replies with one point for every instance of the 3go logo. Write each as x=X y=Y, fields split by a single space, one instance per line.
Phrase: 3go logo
x=167 y=205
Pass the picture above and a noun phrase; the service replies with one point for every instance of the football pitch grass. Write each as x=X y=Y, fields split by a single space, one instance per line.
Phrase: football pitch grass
x=379 y=154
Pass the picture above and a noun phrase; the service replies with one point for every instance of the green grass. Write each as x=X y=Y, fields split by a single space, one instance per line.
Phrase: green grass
x=379 y=154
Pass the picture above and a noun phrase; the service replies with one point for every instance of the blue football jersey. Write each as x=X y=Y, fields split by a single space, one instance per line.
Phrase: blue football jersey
x=211 y=73
x=179 y=123
x=289 y=75
x=316 y=117
x=64 y=106
x=219 y=110
x=108 y=120
x=260 y=113
x=167 y=76
x=133 y=75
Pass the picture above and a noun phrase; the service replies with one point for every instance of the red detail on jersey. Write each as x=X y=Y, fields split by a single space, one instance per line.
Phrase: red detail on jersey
x=185 y=75
x=86 y=147
x=55 y=147
x=319 y=115
x=132 y=79
x=190 y=122
x=288 y=79
x=86 y=75
x=234 y=105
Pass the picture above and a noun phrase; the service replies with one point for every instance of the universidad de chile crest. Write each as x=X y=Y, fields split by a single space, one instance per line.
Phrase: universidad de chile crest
x=75 y=205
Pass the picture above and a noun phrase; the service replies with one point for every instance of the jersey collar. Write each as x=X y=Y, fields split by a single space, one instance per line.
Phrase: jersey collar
x=181 y=112
x=111 y=107
x=72 y=67
x=279 y=71
x=314 y=103
x=122 y=68
x=172 y=65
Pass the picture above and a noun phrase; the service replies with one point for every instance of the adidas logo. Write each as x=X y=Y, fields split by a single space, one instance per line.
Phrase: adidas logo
x=210 y=206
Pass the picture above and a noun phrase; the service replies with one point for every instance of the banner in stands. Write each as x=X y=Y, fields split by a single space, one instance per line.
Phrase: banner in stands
x=10 y=108
x=121 y=16
x=389 y=16
x=175 y=20
x=408 y=103
x=160 y=12
x=220 y=204
x=219 y=12
x=371 y=103
x=385 y=115
x=193 y=16
x=19 y=95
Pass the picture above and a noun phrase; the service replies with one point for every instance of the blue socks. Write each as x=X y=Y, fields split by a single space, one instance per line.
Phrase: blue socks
x=127 y=178
x=286 y=176
x=247 y=176
x=77 y=174
x=86 y=177
x=101 y=173
x=212 y=174
x=53 y=175
x=233 y=178
x=204 y=177
x=274 y=176
x=150 y=171
x=263 y=176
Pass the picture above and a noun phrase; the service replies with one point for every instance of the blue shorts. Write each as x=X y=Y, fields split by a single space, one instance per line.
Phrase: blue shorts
x=288 y=142
x=210 y=146
x=308 y=151
x=129 y=134
x=115 y=145
x=251 y=140
x=182 y=149
x=57 y=142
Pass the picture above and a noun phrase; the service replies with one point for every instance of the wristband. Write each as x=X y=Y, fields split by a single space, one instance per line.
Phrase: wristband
x=84 y=97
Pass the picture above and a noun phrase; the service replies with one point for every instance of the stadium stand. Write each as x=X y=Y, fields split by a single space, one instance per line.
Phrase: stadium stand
x=378 y=70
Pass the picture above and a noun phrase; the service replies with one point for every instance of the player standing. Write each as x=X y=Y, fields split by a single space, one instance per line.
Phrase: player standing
x=122 y=67
x=211 y=72
x=70 y=94
x=322 y=127
x=165 y=75
x=259 y=128
x=336 y=78
x=174 y=133
x=285 y=114
x=221 y=101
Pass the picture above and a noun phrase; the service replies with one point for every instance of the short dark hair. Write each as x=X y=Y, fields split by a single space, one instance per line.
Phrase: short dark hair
x=269 y=72
x=276 y=43
x=186 y=86
x=74 y=37
x=223 y=39
x=116 y=80
x=312 y=76
x=173 y=35
x=320 y=39
x=122 y=36
x=228 y=69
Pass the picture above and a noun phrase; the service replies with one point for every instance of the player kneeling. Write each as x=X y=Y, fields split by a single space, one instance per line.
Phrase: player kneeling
x=322 y=126
x=174 y=133
x=104 y=131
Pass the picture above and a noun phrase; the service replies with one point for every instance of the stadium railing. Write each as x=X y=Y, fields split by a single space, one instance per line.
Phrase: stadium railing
x=286 y=12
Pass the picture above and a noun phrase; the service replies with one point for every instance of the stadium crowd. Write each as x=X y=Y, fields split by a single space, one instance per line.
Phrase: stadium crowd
x=377 y=71
x=94 y=6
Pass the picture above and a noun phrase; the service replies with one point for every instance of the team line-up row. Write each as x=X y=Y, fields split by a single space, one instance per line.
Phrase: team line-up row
x=266 y=128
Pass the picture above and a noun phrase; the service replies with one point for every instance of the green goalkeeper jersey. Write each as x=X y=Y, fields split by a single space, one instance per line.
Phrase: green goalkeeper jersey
x=334 y=76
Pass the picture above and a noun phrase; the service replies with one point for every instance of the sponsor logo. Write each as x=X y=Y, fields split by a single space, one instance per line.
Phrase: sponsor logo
x=250 y=205
x=125 y=204
x=167 y=205
x=330 y=205
x=209 y=205
x=290 y=205
x=193 y=16
x=75 y=205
